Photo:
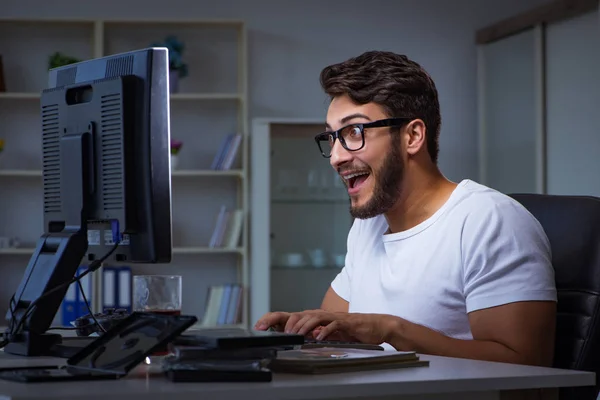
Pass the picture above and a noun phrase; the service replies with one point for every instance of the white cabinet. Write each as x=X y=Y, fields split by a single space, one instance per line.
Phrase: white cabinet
x=300 y=214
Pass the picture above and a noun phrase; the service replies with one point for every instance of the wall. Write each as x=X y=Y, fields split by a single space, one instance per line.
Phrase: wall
x=290 y=42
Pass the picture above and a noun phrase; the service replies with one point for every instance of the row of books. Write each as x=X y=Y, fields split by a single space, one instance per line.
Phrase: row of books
x=227 y=152
x=228 y=228
x=114 y=283
x=223 y=305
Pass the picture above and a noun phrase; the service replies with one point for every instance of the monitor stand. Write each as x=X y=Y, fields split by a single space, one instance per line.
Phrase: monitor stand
x=58 y=255
x=27 y=343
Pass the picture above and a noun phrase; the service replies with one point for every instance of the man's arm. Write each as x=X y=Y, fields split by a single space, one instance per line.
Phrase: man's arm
x=520 y=333
x=333 y=302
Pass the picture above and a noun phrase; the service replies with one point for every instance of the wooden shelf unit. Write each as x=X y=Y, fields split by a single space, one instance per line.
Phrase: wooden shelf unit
x=212 y=102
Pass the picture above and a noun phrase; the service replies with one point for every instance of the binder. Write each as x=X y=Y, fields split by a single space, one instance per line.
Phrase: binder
x=123 y=288
x=222 y=318
x=109 y=285
x=86 y=284
x=69 y=305
x=73 y=305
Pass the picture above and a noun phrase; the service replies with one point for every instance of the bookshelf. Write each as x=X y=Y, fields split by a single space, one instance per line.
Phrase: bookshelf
x=210 y=104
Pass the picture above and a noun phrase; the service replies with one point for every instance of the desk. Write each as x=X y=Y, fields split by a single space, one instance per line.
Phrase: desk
x=445 y=378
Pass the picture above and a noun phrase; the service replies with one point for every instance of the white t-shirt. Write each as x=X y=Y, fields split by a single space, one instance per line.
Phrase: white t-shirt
x=480 y=249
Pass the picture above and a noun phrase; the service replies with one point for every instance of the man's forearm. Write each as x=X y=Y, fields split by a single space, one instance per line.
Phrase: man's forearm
x=405 y=335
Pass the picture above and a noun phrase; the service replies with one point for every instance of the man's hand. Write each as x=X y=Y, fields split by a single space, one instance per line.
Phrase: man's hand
x=325 y=325
x=275 y=320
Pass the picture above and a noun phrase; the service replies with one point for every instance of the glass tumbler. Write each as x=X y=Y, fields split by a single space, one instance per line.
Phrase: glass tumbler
x=159 y=294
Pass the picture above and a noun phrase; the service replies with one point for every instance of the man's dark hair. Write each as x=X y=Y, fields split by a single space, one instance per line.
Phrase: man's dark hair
x=401 y=86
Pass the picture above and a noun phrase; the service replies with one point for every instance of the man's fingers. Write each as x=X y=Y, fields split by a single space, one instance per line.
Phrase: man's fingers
x=292 y=321
x=330 y=329
x=271 y=319
x=306 y=325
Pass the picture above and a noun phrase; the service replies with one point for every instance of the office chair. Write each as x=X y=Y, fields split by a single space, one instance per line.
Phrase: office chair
x=572 y=224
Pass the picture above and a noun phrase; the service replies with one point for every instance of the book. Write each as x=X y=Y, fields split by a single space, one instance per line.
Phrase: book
x=333 y=360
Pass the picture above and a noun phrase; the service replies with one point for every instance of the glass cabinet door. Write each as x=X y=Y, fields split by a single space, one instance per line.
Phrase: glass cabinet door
x=309 y=218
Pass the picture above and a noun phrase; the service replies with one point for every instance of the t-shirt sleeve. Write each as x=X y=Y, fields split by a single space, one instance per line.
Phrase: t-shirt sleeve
x=506 y=257
x=341 y=283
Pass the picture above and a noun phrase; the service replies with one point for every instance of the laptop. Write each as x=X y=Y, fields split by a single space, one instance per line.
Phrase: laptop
x=112 y=355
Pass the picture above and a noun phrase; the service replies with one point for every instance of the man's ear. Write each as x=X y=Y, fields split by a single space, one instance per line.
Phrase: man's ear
x=416 y=136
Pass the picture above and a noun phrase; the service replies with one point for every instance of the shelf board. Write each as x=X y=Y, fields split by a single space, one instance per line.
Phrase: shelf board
x=306 y=268
x=206 y=250
x=17 y=251
x=208 y=172
x=176 y=250
x=109 y=21
x=174 y=96
x=21 y=172
x=206 y=96
x=191 y=329
x=20 y=96
x=299 y=200
x=182 y=173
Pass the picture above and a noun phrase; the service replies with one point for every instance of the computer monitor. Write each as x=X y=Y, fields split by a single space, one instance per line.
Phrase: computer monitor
x=106 y=183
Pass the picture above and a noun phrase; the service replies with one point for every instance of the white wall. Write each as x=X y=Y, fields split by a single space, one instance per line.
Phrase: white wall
x=291 y=41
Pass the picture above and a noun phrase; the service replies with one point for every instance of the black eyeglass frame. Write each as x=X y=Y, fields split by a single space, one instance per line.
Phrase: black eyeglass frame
x=324 y=137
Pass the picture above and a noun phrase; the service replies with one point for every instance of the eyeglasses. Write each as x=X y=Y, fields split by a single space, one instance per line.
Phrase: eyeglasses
x=352 y=137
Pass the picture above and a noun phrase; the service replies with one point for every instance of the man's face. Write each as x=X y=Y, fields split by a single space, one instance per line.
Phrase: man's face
x=373 y=174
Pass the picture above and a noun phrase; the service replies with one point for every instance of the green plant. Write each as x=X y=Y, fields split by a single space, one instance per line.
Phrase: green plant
x=176 y=48
x=59 y=59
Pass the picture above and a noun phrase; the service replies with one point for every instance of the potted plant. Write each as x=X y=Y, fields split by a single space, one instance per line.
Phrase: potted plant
x=59 y=59
x=177 y=68
x=175 y=148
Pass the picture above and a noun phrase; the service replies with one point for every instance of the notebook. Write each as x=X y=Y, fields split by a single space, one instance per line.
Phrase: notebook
x=237 y=338
x=334 y=359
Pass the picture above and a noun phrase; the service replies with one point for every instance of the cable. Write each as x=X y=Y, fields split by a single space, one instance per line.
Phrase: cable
x=87 y=304
x=91 y=268
x=69 y=328
x=63 y=328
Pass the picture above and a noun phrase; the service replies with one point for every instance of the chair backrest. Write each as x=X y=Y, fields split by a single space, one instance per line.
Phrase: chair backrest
x=572 y=224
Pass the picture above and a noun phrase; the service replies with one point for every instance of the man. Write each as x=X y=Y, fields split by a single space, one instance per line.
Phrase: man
x=433 y=266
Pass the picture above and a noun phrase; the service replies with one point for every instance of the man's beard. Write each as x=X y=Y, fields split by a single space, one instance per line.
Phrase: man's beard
x=387 y=187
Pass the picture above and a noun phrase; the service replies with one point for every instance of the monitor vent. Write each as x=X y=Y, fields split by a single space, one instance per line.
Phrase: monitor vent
x=112 y=152
x=66 y=76
x=51 y=158
x=119 y=66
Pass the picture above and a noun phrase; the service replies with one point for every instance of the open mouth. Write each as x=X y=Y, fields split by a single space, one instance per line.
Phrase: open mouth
x=356 y=180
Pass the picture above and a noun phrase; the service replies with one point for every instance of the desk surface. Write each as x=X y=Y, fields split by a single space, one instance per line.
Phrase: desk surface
x=444 y=375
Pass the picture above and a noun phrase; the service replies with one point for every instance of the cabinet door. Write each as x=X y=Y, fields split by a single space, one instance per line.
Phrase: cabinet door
x=309 y=218
x=511 y=140
x=300 y=218
x=573 y=105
